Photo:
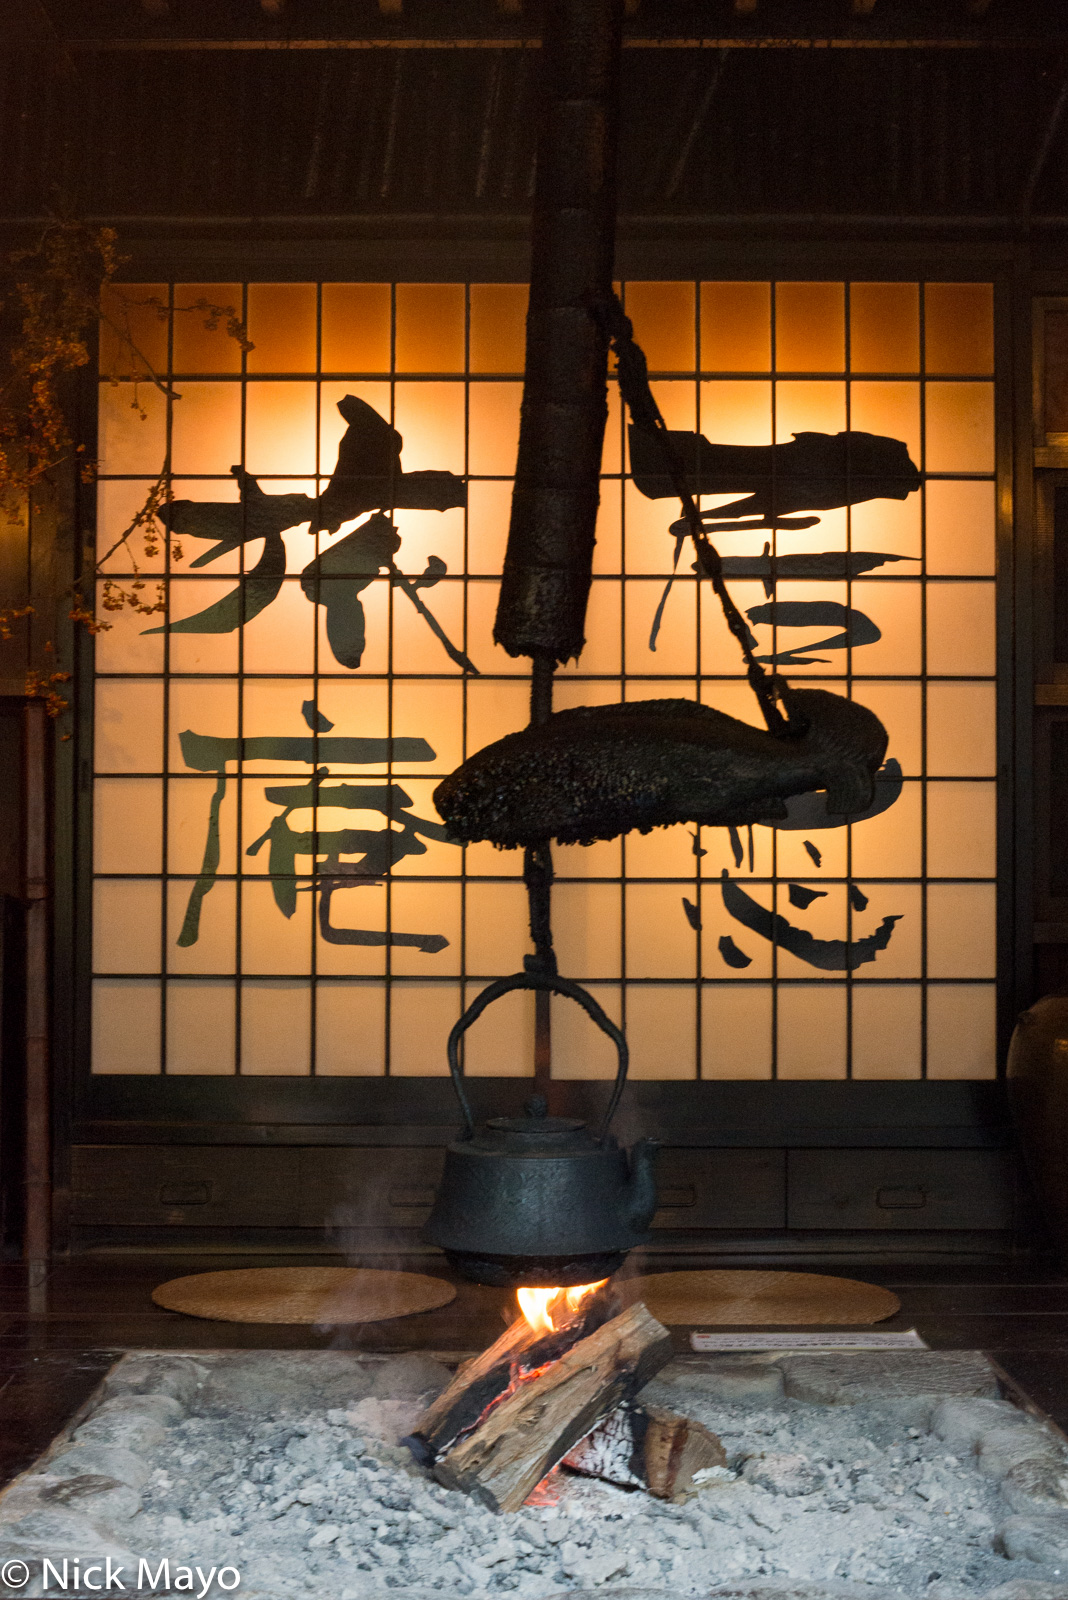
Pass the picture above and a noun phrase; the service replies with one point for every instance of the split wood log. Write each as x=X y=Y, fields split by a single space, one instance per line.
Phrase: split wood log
x=478 y=1383
x=646 y=1447
x=675 y=1448
x=530 y=1431
x=475 y=1385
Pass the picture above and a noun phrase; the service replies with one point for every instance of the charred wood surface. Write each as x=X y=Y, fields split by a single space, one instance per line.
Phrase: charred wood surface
x=476 y=1385
x=614 y=1450
x=549 y=560
x=531 y=1430
x=596 y=772
x=647 y=1447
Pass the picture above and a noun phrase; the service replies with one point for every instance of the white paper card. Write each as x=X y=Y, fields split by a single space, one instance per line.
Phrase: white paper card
x=909 y=1340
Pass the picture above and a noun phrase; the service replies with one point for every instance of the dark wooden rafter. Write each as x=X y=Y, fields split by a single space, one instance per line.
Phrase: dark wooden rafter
x=676 y=23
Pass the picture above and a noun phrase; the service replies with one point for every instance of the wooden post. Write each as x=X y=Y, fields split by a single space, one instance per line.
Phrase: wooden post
x=37 y=1237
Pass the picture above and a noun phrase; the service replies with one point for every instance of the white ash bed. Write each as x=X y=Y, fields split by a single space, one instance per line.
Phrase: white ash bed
x=853 y=1476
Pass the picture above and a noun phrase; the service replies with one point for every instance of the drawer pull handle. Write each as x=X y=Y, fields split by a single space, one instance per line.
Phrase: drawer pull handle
x=185 y=1194
x=901 y=1199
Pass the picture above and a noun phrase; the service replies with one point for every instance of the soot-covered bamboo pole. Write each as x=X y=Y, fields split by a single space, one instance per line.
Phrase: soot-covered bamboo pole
x=549 y=560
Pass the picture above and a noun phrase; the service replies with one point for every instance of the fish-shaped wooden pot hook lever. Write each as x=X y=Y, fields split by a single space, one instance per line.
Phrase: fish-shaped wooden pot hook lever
x=596 y=772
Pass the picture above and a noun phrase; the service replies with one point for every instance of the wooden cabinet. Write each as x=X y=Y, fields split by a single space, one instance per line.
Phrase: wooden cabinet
x=359 y=1197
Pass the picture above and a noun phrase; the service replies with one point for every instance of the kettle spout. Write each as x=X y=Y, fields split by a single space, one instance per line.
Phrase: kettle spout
x=641 y=1185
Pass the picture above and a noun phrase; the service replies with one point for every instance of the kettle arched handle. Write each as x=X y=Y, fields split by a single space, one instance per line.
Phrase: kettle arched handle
x=552 y=984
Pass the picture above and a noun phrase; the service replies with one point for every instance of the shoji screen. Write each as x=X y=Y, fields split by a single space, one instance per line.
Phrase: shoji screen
x=273 y=890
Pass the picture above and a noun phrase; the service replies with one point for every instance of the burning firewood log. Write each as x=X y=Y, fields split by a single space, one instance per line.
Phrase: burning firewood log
x=525 y=1348
x=549 y=1409
x=646 y=1447
x=511 y=1415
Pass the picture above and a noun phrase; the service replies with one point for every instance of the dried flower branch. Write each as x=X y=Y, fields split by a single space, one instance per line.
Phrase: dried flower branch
x=58 y=294
x=42 y=686
x=11 y=615
x=54 y=303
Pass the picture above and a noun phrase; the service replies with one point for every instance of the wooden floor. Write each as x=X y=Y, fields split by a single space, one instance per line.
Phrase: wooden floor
x=56 y=1340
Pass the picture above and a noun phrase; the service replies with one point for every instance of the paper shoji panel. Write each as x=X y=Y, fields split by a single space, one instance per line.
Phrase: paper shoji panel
x=273 y=891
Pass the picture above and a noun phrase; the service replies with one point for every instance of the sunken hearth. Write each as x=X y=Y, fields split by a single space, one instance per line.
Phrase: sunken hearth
x=871 y=1476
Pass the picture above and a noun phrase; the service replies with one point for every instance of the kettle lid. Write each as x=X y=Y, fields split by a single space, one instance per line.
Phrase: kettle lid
x=535 y=1132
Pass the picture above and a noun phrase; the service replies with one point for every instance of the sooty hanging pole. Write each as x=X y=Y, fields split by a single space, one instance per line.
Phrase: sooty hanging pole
x=549 y=559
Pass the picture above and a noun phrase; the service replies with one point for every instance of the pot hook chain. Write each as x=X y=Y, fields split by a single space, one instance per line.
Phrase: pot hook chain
x=633 y=374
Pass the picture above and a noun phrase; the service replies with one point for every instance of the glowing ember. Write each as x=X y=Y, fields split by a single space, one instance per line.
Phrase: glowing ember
x=548 y=1491
x=549 y=1310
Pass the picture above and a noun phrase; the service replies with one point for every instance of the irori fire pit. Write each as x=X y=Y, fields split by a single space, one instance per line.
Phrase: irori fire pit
x=848 y=1477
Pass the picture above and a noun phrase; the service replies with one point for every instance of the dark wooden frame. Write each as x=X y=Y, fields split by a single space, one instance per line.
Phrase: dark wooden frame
x=1048 y=473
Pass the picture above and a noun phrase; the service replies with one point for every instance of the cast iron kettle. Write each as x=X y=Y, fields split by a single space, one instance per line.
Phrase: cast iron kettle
x=540 y=1200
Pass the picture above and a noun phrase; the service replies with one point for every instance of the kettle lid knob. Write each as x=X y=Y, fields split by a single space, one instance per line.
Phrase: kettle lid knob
x=537 y=1106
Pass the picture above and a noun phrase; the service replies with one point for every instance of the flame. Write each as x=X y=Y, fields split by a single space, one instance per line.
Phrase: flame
x=549 y=1310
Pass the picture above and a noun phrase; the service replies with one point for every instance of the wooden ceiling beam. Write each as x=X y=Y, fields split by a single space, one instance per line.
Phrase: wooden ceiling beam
x=652 y=24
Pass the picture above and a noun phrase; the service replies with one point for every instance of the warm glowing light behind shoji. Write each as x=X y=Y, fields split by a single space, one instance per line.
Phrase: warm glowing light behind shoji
x=641 y=921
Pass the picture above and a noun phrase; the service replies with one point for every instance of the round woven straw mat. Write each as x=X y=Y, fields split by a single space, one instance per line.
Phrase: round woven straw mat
x=761 y=1299
x=303 y=1294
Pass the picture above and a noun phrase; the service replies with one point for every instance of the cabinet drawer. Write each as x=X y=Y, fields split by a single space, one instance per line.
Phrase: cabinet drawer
x=720 y=1188
x=203 y=1186
x=896 y=1189
x=368 y=1186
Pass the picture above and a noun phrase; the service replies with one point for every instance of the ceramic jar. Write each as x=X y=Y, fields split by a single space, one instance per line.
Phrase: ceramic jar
x=1038 y=1097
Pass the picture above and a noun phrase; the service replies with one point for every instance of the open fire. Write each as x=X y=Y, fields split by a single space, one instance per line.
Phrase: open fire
x=551 y=1310
x=560 y=1387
